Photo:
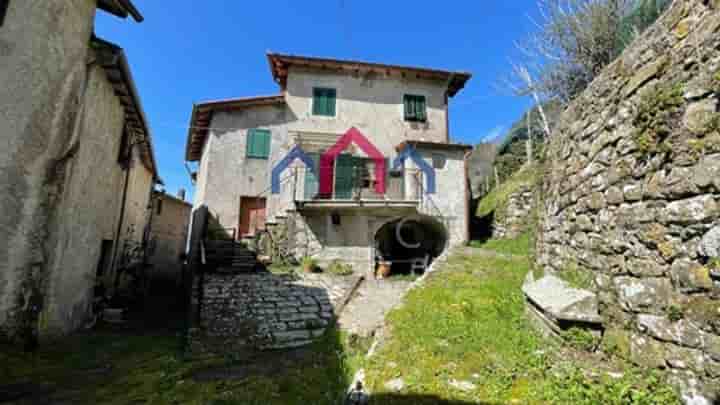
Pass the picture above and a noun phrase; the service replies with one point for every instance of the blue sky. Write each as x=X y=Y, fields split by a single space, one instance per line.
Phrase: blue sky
x=188 y=51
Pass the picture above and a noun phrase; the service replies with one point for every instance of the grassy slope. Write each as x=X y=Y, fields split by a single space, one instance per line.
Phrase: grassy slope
x=499 y=196
x=467 y=324
x=146 y=369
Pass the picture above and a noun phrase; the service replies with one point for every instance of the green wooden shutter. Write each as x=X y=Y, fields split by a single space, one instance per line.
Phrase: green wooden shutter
x=415 y=108
x=420 y=108
x=344 y=176
x=265 y=139
x=317 y=101
x=324 y=101
x=409 y=108
x=311 y=181
x=258 y=143
x=331 y=95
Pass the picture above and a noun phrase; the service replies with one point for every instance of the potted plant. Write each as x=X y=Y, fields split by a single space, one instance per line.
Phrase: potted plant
x=308 y=264
x=383 y=269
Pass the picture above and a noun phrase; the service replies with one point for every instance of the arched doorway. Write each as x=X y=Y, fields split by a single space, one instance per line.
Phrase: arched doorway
x=407 y=240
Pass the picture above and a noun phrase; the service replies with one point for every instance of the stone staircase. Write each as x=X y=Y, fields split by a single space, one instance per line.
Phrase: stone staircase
x=228 y=256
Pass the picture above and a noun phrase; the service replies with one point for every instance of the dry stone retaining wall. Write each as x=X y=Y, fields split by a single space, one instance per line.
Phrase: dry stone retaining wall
x=632 y=194
x=515 y=218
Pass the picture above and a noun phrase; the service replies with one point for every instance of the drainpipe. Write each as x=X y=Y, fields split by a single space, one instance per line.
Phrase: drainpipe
x=120 y=222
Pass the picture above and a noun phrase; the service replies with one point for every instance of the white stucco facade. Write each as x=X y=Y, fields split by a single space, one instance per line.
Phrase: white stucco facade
x=371 y=102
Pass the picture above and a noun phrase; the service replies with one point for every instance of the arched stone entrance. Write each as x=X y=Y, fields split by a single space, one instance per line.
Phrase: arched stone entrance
x=403 y=240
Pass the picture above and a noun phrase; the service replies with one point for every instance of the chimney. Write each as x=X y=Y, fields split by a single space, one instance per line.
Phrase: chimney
x=181 y=194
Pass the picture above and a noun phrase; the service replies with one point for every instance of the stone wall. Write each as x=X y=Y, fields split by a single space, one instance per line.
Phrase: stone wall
x=516 y=215
x=264 y=310
x=632 y=194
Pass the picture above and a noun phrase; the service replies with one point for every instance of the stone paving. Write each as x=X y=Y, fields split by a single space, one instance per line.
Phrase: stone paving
x=267 y=311
x=337 y=288
x=366 y=311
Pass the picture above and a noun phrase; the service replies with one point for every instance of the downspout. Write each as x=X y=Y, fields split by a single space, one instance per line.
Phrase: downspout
x=120 y=221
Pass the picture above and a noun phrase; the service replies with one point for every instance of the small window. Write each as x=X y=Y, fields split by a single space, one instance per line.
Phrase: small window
x=415 y=109
x=3 y=10
x=159 y=206
x=324 y=101
x=258 y=144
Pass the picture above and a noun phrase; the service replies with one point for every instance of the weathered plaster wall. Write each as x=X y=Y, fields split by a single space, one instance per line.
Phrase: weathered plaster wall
x=371 y=103
x=632 y=194
x=169 y=233
x=450 y=203
x=226 y=174
x=43 y=49
x=137 y=207
x=87 y=210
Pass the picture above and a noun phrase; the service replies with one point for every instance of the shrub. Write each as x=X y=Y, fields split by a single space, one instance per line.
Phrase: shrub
x=675 y=313
x=657 y=111
x=339 y=268
x=581 y=339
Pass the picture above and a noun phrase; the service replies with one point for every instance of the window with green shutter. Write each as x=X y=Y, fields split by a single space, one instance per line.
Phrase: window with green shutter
x=258 y=143
x=415 y=108
x=324 y=101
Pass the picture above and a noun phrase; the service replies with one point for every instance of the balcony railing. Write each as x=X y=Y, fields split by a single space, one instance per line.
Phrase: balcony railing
x=358 y=185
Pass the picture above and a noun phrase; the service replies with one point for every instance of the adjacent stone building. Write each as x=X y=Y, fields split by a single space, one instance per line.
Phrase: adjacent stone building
x=168 y=237
x=77 y=166
x=386 y=111
x=632 y=194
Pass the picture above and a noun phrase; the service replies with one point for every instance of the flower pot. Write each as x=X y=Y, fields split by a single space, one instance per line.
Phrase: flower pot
x=309 y=268
x=383 y=269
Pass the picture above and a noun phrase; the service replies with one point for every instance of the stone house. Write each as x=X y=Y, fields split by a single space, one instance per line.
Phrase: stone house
x=168 y=235
x=77 y=168
x=355 y=123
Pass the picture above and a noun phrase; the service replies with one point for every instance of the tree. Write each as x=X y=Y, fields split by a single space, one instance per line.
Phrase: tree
x=575 y=40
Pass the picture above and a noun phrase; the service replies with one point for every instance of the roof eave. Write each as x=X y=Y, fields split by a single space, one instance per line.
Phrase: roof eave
x=456 y=79
x=118 y=61
x=433 y=145
x=199 y=129
x=121 y=8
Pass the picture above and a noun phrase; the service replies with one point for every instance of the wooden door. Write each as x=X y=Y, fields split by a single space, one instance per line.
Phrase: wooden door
x=252 y=215
x=344 y=176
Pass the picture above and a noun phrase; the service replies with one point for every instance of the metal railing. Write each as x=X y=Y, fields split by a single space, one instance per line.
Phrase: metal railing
x=358 y=185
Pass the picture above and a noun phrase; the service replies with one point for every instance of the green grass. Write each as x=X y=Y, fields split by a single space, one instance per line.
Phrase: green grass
x=519 y=246
x=147 y=369
x=467 y=323
x=497 y=199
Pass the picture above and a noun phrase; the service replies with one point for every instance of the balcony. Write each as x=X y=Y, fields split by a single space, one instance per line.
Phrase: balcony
x=354 y=188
